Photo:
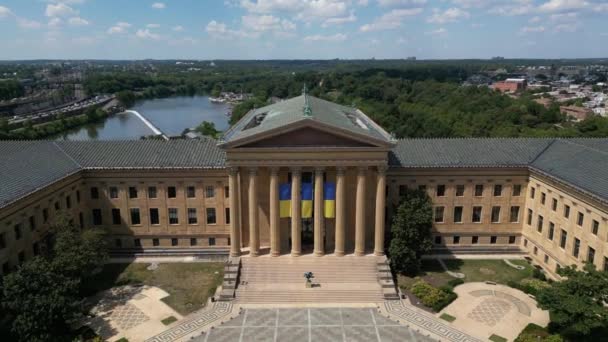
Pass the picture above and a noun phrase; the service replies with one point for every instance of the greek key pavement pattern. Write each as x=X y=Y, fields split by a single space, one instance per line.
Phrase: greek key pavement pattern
x=415 y=317
x=128 y=316
x=311 y=325
x=194 y=322
x=490 y=311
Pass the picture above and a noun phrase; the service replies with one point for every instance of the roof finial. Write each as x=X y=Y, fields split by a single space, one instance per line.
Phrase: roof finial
x=307 y=109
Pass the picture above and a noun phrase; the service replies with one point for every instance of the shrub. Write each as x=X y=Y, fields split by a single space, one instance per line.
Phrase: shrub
x=455 y=282
x=538 y=274
x=433 y=297
x=529 y=286
x=535 y=333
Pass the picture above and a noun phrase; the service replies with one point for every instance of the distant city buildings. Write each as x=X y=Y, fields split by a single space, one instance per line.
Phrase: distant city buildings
x=511 y=85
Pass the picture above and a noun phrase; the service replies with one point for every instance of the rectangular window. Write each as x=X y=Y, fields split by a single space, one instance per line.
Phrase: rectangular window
x=595 y=227
x=437 y=240
x=211 y=241
x=36 y=248
x=511 y=240
x=605 y=264
x=94 y=193
x=543 y=198
x=440 y=190
x=497 y=190
x=479 y=190
x=154 y=217
x=402 y=190
x=493 y=239
x=135 y=217
x=32 y=223
x=113 y=192
x=525 y=243
x=211 y=219
x=45 y=215
x=21 y=257
x=439 y=214
x=539 y=224
x=551 y=231
x=591 y=255
x=516 y=190
x=554 y=204
x=495 y=214
x=566 y=211
x=17 y=230
x=535 y=250
x=456 y=239
x=174 y=242
x=3 y=241
x=155 y=242
x=476 y=218
x=530 y=214
x=227 y=192
x=81 y=220
x=475 y=240
x=563 y=239
x=171 y=192
x=192 y=218
x=514 y=216
x=6 y=268
x=546 y=259
x=116 y=216
x=580 y=219
x=173 y=219
x=152 y=192
x=97 y=218
x=532 y=192
x=68 y=202
x=77 y=196
x=576 y=248
x=422 y=187
x=191 y=192
x=459 y=190
x=118 y=243
x=57 y=206
x=227 y=215
x=457 y=214
x=132 y=192
x=137 y=242
x=209 y=191
x=193 y=242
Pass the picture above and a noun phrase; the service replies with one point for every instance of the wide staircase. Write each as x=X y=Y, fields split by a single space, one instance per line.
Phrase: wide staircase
x=280 y=280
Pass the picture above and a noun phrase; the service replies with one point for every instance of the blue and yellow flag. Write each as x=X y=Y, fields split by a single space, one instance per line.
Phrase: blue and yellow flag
x=329 y=194
x=307 y=200
x=285 y=200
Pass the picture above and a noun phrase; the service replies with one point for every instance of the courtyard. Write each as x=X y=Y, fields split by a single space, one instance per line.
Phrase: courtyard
x=311 y=324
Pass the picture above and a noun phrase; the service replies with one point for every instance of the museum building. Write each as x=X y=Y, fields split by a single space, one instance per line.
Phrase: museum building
x=308 y=176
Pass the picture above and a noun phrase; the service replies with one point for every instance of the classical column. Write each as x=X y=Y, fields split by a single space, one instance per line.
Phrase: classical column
x=340 y=211
x=360 y=213
x=296 y=212
x=235 y=229
x=275 y=241
x=380 y=204
x=319 y=217
x=254 y=239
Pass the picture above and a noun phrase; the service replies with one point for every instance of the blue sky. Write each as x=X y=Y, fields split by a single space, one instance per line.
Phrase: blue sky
x=302 y=29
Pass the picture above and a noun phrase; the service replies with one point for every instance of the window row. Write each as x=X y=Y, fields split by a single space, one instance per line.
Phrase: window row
x=580 y=217
x=476 y=214
x=459 y=190
x=211 y=241
x=154 y=216
x=594 y=229
x=455 y=240
x=152 y=192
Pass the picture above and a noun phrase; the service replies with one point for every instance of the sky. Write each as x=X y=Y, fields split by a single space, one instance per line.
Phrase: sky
x=302 y=29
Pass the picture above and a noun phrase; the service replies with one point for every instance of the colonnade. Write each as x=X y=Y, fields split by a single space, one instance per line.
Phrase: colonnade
x=296 y=219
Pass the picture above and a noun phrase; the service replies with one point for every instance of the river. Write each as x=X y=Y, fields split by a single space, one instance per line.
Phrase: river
x=171 y=115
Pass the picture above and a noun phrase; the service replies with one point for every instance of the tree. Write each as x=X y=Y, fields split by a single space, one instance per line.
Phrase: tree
x=577 y=305
x=41 y=300
x=207 y=128
x=126 y=97
x=411 y=232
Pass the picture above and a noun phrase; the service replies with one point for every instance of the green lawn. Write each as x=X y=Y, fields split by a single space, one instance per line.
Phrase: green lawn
x=474 y=270
x=189 y=284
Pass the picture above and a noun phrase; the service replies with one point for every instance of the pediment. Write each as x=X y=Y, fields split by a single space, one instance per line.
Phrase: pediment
x=307 y=137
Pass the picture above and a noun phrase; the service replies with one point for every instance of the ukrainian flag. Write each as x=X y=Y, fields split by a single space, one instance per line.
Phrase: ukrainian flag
x=329 y=194
x=307 y=200
x=285 y=200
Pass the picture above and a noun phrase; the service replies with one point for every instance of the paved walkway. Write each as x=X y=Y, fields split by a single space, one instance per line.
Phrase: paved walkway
x=312 y=324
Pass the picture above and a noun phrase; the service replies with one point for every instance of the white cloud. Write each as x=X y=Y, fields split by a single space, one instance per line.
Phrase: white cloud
x=84 y=40
x=390 y=20
x=338 y=37
x=400 y=3
x=534 y=20
x=566 y=27
x=262 y=23
x=340 y=20
x=513 y=7
x=59 y=10
x=570 y=16
x=5 y=12
x=532 y=29
x=153 y=26
x=438 y=32
x=219 y=30
x=147 y=34
x=78 y=21
x=305 y=10
x=55 y=22
x=562 y=5
x=159 y=5
x=28 y=24
x=600 y=8
x=178 y=28
x=120 y=27
x=450 y=15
